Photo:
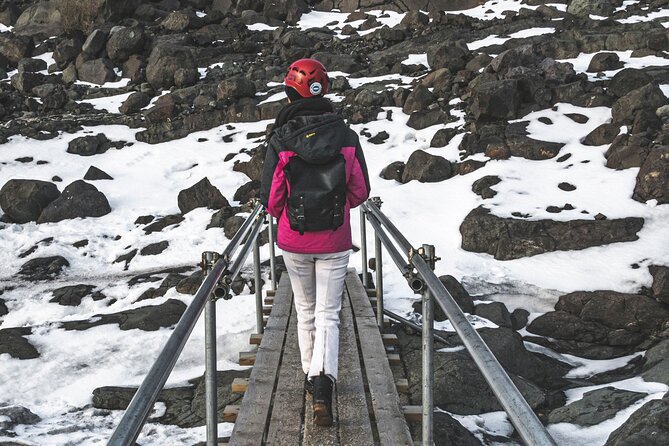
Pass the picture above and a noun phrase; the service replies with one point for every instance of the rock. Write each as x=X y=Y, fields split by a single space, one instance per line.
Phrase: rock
x=219 y=217
x=656 y=363
x=496 y=100
x=584 y=8
x=627 y=151
x=338 y=62
x=652 y=181
x=235 y=88
x=604 y=62
x=648 y=97
x=147 y=318
x=85 y=15
x=25 y=81
x=459 y=294
x=32 y=65
x=165 y=61
x=17 y=415
x=13 y=342
x=288 y=11
x=97 y=71
x=647 y=426
x=66 y=52
x=601 y=324
x=176 y=22
x=660 y=285
x=566 y=187
x=247 y=191
x=627 y=80
x=93 y=173
x=134 y=103
x=495 y=312
x=367 y=97
x=448 y=431
x=393 y=171
x=15 y=48
x=43 y=268
x=135 y=69
x=426 y=168
x=519 y=318
x=3 y=308
x=419 y=99
x=191 y=284
x=201 y=194
x=78 y=200
x=415 y=19
x=595 y=407
x=24 y=200
x=232 y=225
x=164 y=222
x=509 y=238
x=451 y=55
x=379 y=138
x=71 y=295
x=422 y=119
x=9 y=14
x=154 y=248
x=483 y=185
x=95 y=43
x=170 y=281
x=604 y=134
x=89 y=145
x=40 y=20
x=442 y=137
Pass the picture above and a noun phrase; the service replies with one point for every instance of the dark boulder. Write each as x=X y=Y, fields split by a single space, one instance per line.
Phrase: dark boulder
x=426 y=168
x=652 y=181
x=24 y=200
x=660 y=285
x=71 y=295
x=604 y=134
x=247 y=191
x=97 y=71
x=649 y=97
x=32 y=65
x=43 y=268
x=166 y=61
x=496 y=100
x=232 y=225
x=154 y=248
x=448 y=431
x=15 y=48
x=164 y=222
x=93 y=174
x=202 y=194
x=78 y=200
x=25 y=81
x=656 y=363
x=423 y=119
x=393 y=171
x=135 y=103
x=288 y=11
x=442 y=137
x=171 y=281
x=42 y=20
x=89 y=145
x=604 y=62
x=13 y=342
x=338 y=62
x=601 y=324
x=15 y=415
x=495 y=312
x=627 y=151
x=483 y=186
x=595 y=407
x=235 y=88
x=95 y=43
x=220 y=216
x=147 y=318
x=66 y=52
x=190 y=284
x=451 y=55
x=584 y=8
x=419 y=99
x=459 y=293
x=648 y=426
x=627 y=80
x=85 y=15
x=510 y=238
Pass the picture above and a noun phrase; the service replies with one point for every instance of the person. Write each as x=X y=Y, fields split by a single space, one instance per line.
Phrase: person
x=314 y=173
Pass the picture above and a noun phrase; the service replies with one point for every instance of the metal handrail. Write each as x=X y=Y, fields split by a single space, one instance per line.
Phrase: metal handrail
x=217 y=266
x=424 y=281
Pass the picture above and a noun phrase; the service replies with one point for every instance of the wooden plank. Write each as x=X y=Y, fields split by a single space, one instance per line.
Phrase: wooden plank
x=390 y=339
x=271 y=292
x=354 y=423
x=394 y=359
x=230 y=413
x=253 y=415
x=255 y=338
x=269 y=300
x=239 y=385
x=391 y=424
x=285 y=426
x=247 y=358
x=402 y=385
x=371 y=292
x=413 y=414
x=266 y=309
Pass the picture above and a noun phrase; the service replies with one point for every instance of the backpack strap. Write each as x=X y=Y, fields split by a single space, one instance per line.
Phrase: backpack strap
x=300 y=215
x=337 y=213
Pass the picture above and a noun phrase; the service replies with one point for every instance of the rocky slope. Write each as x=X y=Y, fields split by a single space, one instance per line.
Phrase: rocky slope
x=527 y=140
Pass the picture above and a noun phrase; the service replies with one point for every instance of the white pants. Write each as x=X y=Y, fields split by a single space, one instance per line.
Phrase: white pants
x=318 y=286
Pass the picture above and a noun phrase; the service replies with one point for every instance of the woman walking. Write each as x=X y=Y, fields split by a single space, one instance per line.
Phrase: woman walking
x=314 y=173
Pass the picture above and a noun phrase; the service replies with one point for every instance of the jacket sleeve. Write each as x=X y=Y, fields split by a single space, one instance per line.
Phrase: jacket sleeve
x=273 y=183
x=358 y=183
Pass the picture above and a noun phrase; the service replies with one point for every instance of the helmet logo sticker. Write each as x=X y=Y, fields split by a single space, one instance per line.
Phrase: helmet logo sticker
x=315 y=88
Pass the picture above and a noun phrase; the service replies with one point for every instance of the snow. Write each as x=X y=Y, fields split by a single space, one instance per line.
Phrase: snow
x=582 y=61
x=318 y=19
x=108 y=103
x=532 y=32
x=647 y=18
x=665 y=89
x=416 y=59
x=492 y=423
x=117 y=84
x=487 y=41
x=261 y=27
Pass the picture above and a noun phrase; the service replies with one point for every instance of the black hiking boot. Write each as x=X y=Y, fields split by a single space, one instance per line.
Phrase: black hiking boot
x=308 y=385
x=322 y=400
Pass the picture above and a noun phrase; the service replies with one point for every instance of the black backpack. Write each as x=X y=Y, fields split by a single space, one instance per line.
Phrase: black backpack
x=317 y=194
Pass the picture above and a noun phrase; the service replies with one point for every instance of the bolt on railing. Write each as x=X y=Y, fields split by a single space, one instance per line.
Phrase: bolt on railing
x=220 y=271
x=418 y=270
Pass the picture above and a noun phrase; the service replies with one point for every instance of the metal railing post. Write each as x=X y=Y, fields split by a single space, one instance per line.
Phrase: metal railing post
x=258 y=286
x=428 y=357
x=209 y=258
x=272 y=254
x=363 y=247
x=379 y=281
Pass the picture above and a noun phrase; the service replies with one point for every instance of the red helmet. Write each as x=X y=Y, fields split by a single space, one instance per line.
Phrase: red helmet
x=308 y=77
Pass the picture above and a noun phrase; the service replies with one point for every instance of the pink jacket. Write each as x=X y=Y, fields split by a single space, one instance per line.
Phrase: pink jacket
x=285 y=142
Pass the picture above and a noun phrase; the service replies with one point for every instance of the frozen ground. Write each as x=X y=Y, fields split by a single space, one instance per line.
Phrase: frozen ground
x=148 y=178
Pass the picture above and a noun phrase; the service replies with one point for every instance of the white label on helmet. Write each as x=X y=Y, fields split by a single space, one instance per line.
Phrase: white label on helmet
x=315 y=88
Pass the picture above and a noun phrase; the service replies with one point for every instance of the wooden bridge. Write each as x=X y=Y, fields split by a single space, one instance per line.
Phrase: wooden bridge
x=276 y=410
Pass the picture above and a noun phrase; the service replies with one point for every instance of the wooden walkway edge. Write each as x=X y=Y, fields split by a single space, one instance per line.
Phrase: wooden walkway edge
x=276 y=410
